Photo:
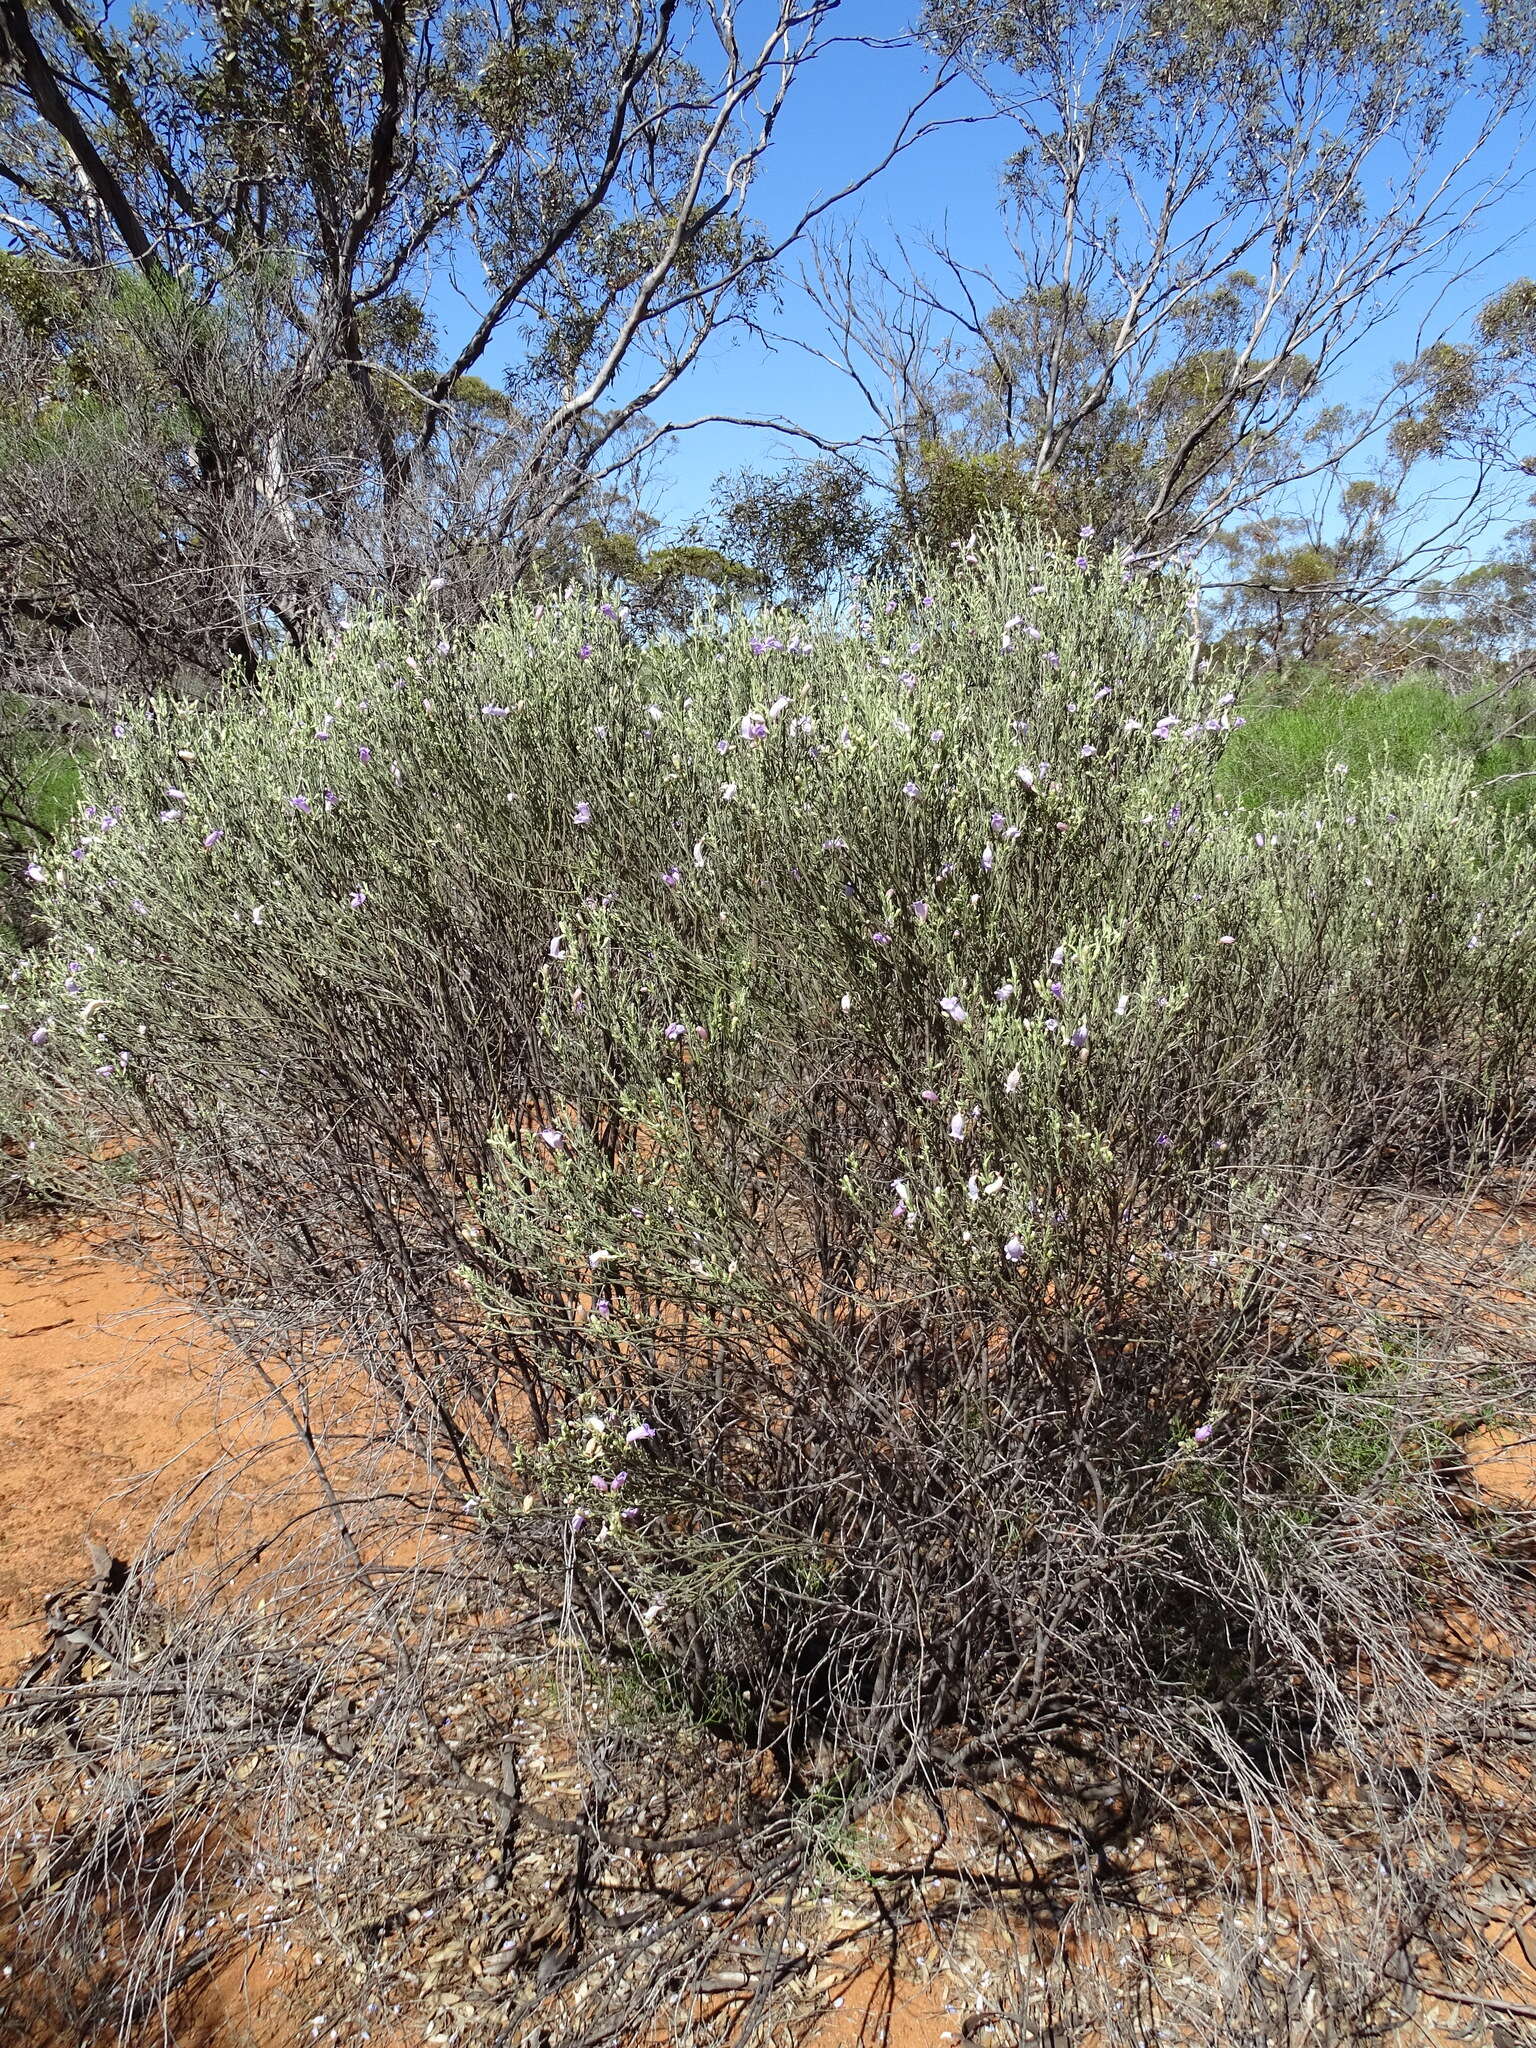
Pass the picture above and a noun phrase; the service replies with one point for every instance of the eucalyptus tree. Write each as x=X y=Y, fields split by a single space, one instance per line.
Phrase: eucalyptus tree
x=308 y=304
x=1207 y=206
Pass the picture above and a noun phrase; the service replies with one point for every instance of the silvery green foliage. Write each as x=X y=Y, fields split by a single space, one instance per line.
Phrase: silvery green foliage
x=864 y=1057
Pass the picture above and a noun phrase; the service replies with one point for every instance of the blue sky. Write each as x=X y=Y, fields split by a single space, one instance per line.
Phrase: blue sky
x=845 y=109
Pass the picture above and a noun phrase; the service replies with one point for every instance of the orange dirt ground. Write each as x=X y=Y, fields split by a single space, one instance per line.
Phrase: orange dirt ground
x=104 y=1418
x=106 y=1415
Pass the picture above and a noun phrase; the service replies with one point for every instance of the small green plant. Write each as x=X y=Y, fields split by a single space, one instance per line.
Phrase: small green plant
x=1294 y=734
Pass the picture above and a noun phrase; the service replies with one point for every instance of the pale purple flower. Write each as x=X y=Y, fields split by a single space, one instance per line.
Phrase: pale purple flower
x=495 y=710
x=597 y=1260
x=629 y=1514
x=582 y=815
x=578 y=1522
x=553 y=1139
x=910 y=789
x=671 y=878
x=170 y=817
x=1226 y=939
x=1057 y=989
x=957 y=1124
x=330 y=799
x=1085 y=533
x=213 y=837
x=358 y=898
x=1004 y=992
x=557 y=947
x=617 y=1481
x=602 y=1307
x=300 y=803
x=40 y=1035
x=1013 y=1251
x=1013 y=1082
x=879 y=938
x=953 y=1009
x=583 y=653
x=987 y=858
x=1079 y=1037
x=599 y=1483
x=640 y=1434
x=1162 y=1141
x=675 y=1031
x=920 y=910
x=1205 y=1432
x=35 y=873
x=936 y=735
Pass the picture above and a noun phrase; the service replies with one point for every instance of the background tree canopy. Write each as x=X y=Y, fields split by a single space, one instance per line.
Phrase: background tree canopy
x=304 y=309
x=307 y=306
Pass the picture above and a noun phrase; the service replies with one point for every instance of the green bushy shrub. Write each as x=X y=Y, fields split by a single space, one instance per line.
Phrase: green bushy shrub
x=1293 y=735
x=867 y=1088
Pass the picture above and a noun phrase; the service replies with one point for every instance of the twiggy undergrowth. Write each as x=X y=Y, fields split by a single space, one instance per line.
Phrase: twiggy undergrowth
x=840 y=1238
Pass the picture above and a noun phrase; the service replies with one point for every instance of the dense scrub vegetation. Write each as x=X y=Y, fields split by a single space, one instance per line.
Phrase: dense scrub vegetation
x=1299 y=726
x=832 y=1151
x=863 y=1138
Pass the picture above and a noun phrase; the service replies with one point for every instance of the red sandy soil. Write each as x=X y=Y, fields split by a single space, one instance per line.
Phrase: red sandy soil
x=102 y=1416
x=105 y=1416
